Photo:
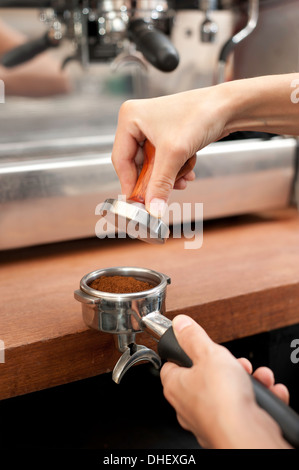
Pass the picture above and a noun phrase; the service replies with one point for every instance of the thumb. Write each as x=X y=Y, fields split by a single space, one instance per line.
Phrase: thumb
x=161 y=182
x=192 y=337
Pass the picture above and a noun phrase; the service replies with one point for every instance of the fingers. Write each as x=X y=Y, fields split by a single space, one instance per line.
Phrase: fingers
x=246 y=364
x=167 y=370
x=166 y=167
x=182 y=182
x=126 y=143
x=123 y=156
x=281 y=392
x=192 y=337
x=266 y=377
x=190 y=176
x=170 y=159
x=187 y=167
x=172 y=378
x=196 y=343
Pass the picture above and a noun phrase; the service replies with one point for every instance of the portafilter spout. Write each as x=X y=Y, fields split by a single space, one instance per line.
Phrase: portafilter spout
x=125 y=315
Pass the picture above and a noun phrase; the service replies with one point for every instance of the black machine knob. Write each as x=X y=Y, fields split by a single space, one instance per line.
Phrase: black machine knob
x=28 y=50
x=154 y=45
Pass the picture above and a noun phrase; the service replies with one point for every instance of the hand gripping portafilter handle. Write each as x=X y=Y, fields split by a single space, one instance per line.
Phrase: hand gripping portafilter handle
x=138 y=194
x=154 y=45
x=286 y=417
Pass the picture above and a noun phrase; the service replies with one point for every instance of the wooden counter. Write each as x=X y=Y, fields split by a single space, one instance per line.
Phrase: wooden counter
x=244 y=280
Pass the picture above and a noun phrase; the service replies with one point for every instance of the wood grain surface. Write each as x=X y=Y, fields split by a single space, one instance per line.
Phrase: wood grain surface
x=244 y=280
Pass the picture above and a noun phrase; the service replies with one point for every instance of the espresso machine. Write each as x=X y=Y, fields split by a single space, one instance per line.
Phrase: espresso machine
x=101 y=31
x=140 y=31
x=55 y=152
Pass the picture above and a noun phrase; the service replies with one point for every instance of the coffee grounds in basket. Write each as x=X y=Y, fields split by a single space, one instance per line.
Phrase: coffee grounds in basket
x=120 y=284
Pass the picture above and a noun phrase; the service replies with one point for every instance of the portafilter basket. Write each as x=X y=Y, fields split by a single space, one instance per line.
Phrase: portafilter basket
x=125 y=315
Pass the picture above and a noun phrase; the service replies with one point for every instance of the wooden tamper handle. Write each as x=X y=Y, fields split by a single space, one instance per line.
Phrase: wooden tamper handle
x=138 y=194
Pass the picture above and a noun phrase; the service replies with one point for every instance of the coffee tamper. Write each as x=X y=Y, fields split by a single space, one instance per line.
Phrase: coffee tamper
x=126 y=315
x=131 y=216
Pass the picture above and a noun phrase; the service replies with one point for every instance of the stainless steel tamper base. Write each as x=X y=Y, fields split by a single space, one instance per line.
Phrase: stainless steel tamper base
x=132 y=217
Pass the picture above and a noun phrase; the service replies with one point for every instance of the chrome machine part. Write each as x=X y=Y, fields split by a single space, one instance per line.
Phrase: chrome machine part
x=51 y=39
x=123 y=314
x=100 y=30
x=155 y=324
x=229 y=46
x=208 y=28
x=134 y=353
x=71 y=176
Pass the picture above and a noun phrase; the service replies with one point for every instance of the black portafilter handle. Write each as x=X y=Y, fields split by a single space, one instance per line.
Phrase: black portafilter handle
x=154 y=45
x=286 y=417
x=28 y=51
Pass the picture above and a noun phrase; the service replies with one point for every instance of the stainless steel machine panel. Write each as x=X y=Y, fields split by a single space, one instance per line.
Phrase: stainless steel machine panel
x=55 y=152
x=48 y=198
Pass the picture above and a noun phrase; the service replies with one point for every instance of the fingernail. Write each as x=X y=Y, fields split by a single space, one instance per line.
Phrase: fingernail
x=180 y=322
x=157 y=207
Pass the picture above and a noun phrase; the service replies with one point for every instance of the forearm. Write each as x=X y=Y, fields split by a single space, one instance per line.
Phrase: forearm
x=182 y=124
x=266 y=104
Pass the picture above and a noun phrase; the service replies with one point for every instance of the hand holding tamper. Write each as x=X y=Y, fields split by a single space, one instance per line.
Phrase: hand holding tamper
x=131 y=216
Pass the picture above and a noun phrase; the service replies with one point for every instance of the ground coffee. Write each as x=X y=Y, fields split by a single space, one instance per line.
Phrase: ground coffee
x=119 y=284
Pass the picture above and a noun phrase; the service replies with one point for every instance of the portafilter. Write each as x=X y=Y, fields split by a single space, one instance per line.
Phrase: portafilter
x=126 y=315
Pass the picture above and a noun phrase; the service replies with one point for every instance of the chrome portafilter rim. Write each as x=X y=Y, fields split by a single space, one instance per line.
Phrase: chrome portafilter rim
x=143 y=274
